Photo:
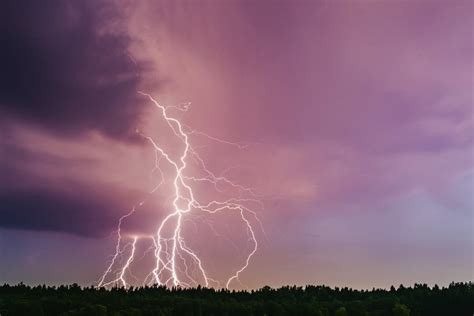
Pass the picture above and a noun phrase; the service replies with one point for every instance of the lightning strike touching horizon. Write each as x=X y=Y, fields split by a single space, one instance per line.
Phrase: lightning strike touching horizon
x=175 y=263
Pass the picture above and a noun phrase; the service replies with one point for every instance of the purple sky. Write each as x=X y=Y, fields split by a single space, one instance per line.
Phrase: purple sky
x=360 y=115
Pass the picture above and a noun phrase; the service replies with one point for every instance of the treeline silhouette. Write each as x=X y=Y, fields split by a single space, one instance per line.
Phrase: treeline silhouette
x=457 y=300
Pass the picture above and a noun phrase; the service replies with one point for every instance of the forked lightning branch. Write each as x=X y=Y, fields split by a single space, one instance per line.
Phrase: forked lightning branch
x=173 y=255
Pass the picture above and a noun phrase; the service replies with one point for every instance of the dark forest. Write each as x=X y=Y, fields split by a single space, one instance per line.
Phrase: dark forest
x=73 y=300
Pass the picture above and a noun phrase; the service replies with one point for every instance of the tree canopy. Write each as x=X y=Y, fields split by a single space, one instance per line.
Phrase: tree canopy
x=73 y=300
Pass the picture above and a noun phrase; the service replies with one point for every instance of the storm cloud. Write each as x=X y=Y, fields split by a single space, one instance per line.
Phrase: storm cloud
x=65 y=67
x=65 y=74
x=77 y=212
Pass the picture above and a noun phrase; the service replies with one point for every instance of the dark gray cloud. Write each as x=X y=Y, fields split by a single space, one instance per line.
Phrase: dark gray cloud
x=65 y=67
x=77 y=212
x=33 y=201
x=39 y=201
x=64 y=71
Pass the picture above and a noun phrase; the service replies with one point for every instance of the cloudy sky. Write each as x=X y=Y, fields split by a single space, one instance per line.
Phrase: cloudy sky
x=358 y=116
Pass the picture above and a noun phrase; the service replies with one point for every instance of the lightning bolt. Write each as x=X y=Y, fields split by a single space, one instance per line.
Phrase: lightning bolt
x=175 y=263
